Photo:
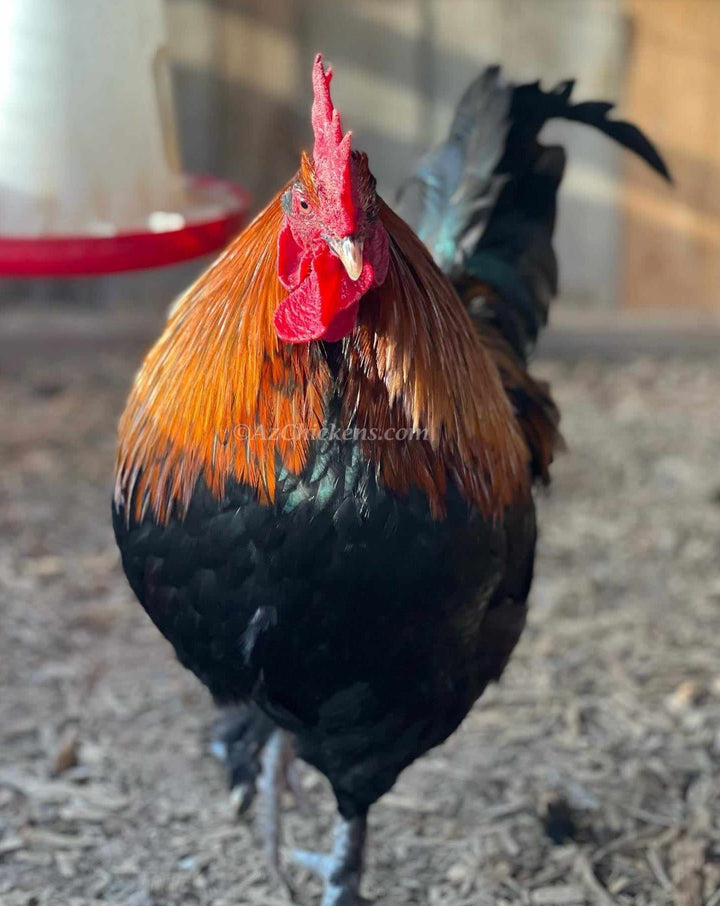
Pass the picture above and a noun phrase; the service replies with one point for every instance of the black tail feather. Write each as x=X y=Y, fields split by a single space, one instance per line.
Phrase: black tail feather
x=532 y=107
x=488 y=206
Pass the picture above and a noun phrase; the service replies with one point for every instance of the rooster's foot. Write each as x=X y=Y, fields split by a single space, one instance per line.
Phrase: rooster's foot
x=237 y=741
x=341 y=869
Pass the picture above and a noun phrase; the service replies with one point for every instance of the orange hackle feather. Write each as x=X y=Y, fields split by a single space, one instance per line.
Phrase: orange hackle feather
x=216 y=386
x=414 y=362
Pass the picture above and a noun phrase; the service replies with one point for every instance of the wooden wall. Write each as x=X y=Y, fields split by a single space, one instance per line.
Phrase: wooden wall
x=671 y=253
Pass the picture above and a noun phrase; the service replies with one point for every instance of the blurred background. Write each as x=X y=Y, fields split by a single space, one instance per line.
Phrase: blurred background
x=628 y=243
x=590 y=776
x=625 y=240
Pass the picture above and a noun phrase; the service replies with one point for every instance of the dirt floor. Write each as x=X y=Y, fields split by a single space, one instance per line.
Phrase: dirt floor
x=589 y=776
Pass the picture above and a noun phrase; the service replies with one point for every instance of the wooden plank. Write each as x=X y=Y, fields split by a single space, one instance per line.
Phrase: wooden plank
x=671 y=247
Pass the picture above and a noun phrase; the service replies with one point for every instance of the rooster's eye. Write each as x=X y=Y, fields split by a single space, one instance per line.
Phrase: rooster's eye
x=303 y=204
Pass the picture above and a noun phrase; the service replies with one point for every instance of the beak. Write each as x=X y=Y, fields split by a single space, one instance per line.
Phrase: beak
x=350 y=252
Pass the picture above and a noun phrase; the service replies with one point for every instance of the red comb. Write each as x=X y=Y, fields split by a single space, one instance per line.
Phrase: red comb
x=331 y=153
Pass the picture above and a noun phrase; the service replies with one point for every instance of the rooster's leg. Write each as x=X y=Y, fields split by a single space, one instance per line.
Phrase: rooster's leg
x=341 y=869
x=271 y=784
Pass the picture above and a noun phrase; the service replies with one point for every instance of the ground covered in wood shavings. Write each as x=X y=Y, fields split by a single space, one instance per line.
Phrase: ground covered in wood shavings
x=589 y=776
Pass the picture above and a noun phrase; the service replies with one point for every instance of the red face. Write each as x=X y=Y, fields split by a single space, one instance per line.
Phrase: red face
x=332 y=248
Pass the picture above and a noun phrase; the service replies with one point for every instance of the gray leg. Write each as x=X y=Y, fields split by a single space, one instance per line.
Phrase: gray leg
x=293 y=781
x=271 y=783
x=341 y=869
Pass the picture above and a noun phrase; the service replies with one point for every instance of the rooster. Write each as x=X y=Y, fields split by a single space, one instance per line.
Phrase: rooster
x=323 y=494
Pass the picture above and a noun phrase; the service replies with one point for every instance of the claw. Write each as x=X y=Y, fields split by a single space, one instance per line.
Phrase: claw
x=242 y=796
x=219 y=750
x=319 y=864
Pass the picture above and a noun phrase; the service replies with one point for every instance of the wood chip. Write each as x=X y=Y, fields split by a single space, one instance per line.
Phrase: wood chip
x=51 y=840
x=598 y=893
x=559 y=895
x=11 y=844
x=66 y=754
x=687 y=859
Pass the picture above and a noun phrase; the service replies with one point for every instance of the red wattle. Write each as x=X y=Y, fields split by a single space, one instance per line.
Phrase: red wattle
x=298 y=317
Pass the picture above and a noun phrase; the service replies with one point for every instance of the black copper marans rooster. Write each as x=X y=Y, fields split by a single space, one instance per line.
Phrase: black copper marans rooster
x=323 y=494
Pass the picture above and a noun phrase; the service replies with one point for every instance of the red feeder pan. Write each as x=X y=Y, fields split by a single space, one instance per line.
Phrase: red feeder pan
x=217 y=211
x=90 y=174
